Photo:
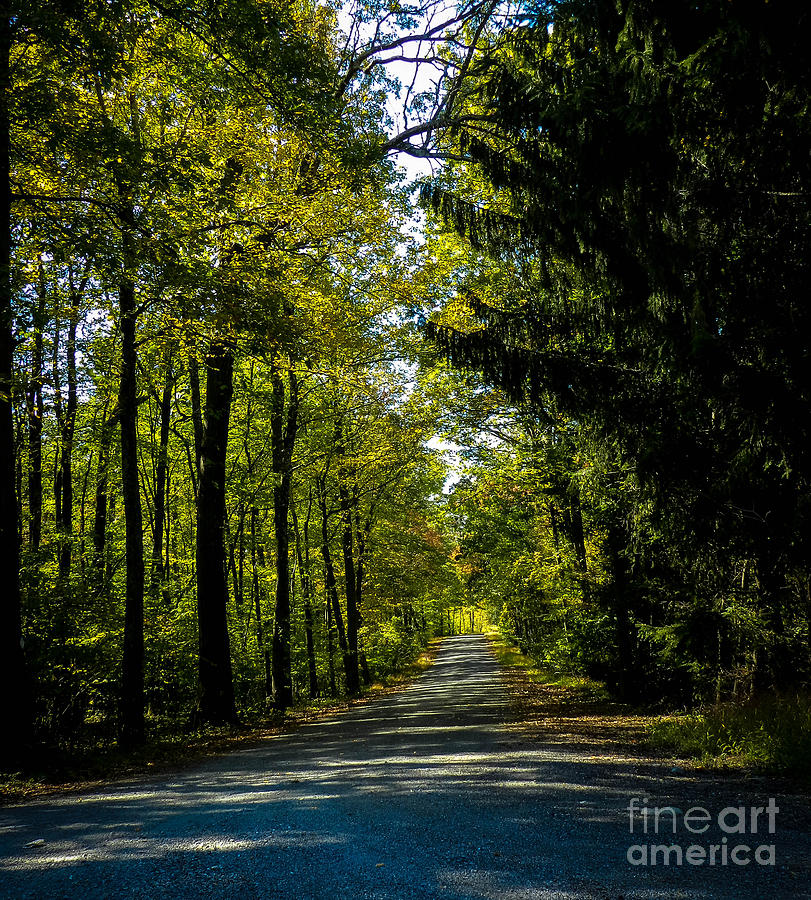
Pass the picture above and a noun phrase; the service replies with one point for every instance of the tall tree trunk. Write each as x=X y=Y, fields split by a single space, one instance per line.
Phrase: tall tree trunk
x=303 y=556
x=196 y=413
x=578 y=536
x=100 y=500
x=553 y=520
x=258 y=556
x=56 y=382
x=347 y=546
x=36 y=412
x=132 y=674
x=236 y=551
x=83 y=519
x=364 y=668
x=330 y=648
x=284 y=436
x=216 y=689
x=132 y=692
x=360 y=561
x=68 y=432
x=360 y=572
x=348 y=550
x=17 y=712
x=329 y=575
x=165 y=415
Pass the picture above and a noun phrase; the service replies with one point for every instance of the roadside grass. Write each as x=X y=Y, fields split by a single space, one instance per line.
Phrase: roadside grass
x=766 y=733
x=557 y=708
x=578 y=686
x=56 y=770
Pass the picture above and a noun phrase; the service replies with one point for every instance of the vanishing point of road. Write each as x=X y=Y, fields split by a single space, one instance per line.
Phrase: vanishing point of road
x=426 y=793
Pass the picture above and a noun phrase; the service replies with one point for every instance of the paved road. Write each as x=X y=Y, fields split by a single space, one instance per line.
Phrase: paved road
x=421 y=794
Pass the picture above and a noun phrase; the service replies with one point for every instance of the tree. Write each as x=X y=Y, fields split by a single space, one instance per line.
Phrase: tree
x=284 y=430
x=19 y=713
x=642 y=175
x=216 y=701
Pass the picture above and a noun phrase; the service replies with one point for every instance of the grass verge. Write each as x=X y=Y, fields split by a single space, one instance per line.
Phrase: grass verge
x=768 y=733
x=511 y=657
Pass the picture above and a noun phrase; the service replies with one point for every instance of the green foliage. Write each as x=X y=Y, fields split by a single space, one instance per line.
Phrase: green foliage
x=226 y=163
x=392 y=645
x=622 y=285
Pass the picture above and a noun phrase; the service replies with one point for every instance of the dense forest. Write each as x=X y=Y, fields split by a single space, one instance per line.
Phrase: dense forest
x=272 y=415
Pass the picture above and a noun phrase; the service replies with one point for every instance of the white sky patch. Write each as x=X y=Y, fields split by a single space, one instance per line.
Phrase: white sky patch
x=450 y=453
x=417 y=68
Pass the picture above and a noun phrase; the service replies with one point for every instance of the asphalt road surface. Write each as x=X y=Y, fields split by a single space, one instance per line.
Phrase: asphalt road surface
x=422 y=794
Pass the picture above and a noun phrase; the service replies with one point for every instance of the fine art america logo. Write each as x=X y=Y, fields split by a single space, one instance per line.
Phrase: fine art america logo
x=744 y=833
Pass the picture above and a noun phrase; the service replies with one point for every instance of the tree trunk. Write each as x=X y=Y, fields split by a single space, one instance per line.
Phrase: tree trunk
x=329 y=577
x=236 y=551
x=165 y=414
x=258 y=556
x=352 y=674
x=196 y=415
x=347 y=547
x=17 y=712
x=284 y=437
x=303 y=556
x=36 y=412
x=360 y=565
x=56 y=383
x=360 y=572
x=330 y=649
x=68 y=432
x=553 y=521
x=364 y=668
x=578 y=536
x=132 y=688
x=100 y=500
x=216 y=689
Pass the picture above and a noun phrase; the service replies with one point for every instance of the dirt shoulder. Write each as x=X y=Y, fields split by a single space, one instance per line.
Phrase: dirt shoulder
x=579 y=714
x=562 y=715
x=576 y=713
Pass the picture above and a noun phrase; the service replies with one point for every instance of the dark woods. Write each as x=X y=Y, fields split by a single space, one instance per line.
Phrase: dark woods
x=642 y=178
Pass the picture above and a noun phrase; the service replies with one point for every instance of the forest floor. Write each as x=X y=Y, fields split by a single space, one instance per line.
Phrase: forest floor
x=435 y=792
